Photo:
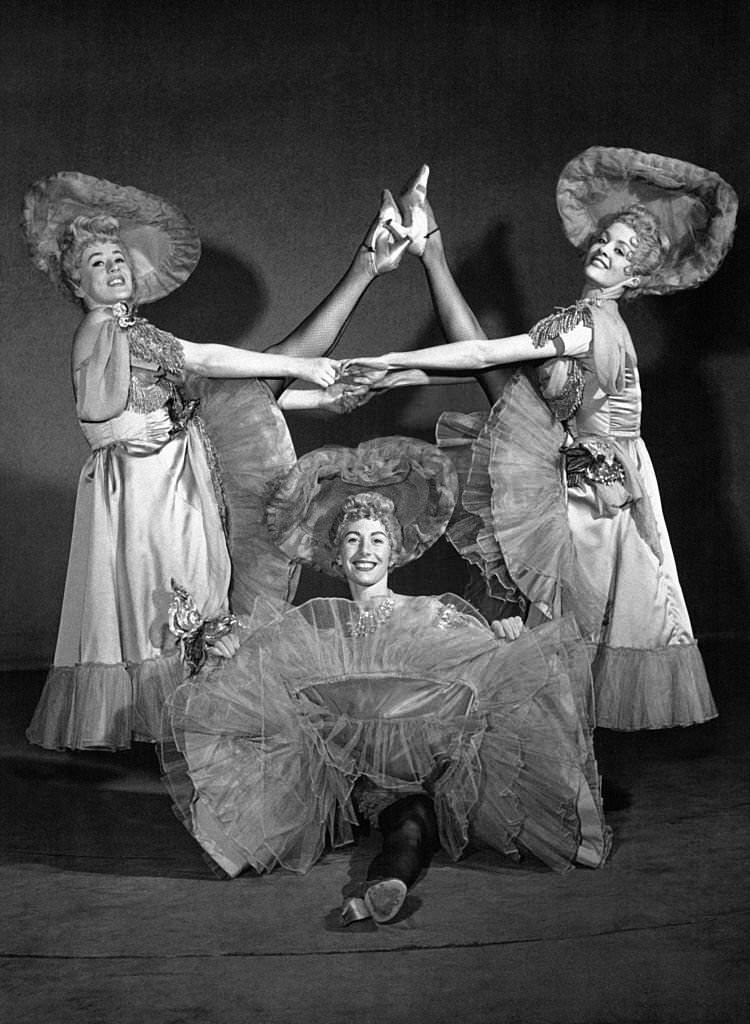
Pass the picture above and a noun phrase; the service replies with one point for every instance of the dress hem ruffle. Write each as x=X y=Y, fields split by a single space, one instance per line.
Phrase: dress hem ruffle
x=650 y=689
x=95 y=706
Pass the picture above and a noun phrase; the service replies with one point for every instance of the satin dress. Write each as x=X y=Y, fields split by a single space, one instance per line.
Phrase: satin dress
x=561 y=511
x=154 y=505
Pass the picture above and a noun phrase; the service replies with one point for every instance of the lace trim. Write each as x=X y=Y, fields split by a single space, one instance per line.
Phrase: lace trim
x=152 y=344
x=568 y=400
x=148 y=397
x=564 y=319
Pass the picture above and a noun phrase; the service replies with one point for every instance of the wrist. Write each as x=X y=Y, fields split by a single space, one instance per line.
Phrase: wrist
x=363 y=267
x=296 y=367
x=434 y=253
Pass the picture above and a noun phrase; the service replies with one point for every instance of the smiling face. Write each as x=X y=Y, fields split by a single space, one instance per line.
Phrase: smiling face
x=609 y=261
x=365 y=552
x=105 y=276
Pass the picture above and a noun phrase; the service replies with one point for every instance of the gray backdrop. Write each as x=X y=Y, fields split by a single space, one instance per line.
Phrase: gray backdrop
x=275 y=125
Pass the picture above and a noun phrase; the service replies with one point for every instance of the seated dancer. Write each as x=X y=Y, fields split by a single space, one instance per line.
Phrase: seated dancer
x=153 y=494
x=408 y=711
x=560 y=507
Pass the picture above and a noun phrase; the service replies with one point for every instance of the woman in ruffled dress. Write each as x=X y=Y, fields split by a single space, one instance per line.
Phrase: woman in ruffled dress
x=560 y=506
x=152 y=497
x=408 y=711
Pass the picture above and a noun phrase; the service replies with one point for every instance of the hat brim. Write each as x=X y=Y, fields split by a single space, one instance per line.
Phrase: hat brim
x=163 y=245
x=696 y=208
x=415 y=475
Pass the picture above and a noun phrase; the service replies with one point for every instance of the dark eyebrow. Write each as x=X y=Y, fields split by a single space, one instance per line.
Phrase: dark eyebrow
x=99 y=252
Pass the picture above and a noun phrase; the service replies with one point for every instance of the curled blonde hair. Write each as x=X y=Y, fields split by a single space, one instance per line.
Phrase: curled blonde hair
x=652 y=247
x=81 y=233
x=367 y=505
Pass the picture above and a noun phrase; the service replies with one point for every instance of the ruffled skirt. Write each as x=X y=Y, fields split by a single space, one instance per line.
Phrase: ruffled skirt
x=568 y=554
x=267 y=749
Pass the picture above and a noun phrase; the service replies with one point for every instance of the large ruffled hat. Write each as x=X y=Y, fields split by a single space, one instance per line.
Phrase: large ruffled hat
x=696 y=208
x=163 y=245
x=420 y=481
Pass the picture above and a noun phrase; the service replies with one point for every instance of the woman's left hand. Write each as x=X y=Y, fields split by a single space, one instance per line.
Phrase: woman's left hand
x=508 y=629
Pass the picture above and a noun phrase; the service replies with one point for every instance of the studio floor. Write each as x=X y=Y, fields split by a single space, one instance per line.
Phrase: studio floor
x=110 y=914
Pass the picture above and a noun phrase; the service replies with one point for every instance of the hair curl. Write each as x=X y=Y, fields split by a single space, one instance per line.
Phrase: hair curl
x=81 y=233
x=652 y=247
x=367 y=505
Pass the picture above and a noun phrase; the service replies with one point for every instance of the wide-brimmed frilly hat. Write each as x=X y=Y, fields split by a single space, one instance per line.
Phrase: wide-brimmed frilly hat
x=420 y=481
x=695 y=207
x=163 y=245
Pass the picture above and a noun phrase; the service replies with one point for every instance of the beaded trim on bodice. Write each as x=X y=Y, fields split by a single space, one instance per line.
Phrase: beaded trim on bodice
x=159 y=353
x=562 y=320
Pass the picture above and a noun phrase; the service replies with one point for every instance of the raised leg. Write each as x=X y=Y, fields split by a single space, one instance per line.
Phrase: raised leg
x=456 y=318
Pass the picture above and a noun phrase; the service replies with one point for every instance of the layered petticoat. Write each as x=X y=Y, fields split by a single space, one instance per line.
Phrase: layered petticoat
x=598 y=552
x=267 y=748
x=254 y=449
x=147 y=512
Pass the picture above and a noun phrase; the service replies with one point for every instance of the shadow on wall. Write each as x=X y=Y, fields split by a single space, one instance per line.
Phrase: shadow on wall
x=222 y=301
x=487 y=279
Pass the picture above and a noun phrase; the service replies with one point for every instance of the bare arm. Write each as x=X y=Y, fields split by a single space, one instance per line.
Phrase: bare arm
x=226 y=361
x=480 y=353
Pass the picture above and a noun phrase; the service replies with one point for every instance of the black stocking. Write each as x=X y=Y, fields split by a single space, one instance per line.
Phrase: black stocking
x=410 y=838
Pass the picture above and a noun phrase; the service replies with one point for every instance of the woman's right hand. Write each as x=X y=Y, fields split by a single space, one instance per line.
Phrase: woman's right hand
x=351 y=366
x=321 y=371
x=508 y=629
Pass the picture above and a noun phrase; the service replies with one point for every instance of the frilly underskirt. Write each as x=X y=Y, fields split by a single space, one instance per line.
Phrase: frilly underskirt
x=471 y=531
x=104 y=707
x=254 y=449
x=637 y=688
x=266 y=748
x=516 y=525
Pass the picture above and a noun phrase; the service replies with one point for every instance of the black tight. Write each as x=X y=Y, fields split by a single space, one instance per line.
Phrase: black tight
x=410 y=838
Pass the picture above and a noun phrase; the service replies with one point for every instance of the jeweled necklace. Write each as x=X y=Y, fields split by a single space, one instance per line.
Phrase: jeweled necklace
x=370 y=618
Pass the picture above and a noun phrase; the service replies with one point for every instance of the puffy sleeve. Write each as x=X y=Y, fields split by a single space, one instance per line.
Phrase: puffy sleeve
x=101 y=369
x=610 y=345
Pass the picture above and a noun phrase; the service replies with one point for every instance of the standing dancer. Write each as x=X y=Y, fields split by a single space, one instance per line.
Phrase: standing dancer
x=560 y=497
x=149 y=502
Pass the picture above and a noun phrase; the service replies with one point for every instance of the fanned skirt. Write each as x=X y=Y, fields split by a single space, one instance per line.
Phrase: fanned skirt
x=267 y=749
